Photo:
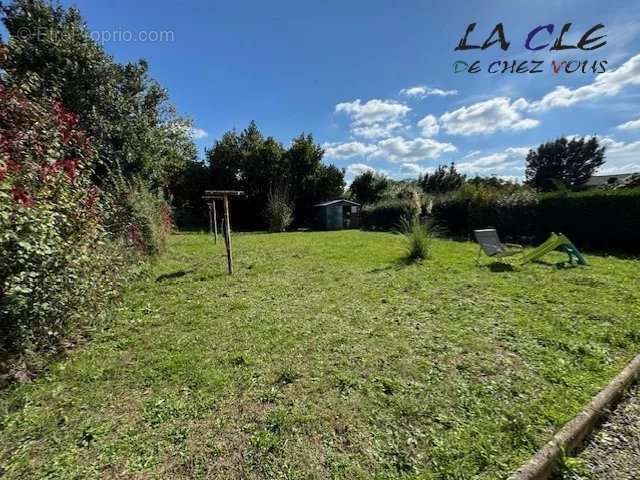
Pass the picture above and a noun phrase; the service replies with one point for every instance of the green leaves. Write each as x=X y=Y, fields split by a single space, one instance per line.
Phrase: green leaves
x=257 y=165
x=569 y=162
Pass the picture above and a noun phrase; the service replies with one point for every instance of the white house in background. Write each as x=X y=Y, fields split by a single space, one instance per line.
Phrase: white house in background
x=617 y=180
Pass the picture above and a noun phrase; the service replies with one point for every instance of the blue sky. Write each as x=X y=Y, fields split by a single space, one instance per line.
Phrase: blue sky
x=374 y=81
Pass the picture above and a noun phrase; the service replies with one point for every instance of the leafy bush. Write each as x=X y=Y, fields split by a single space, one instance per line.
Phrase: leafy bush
x=56 y=261
x=64 y=243
x=418 y=239
x=510 y=210
x=137 y=215
x=389 y=214
x=278 y=213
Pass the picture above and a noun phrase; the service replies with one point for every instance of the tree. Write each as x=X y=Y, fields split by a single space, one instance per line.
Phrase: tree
x=303 y=159
x=442 y=180
x=186 y=194
x=492 y=182
x=125 y=112
x=310 y=180
x=257 y=165
x=368 y=187
x=249 y=162
x=570 y=162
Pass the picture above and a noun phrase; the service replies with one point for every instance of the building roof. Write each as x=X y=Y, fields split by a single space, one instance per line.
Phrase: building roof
x=604 y=180
x=334 y=202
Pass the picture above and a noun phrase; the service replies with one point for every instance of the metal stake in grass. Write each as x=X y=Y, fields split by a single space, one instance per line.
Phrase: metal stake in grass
x=213 y=195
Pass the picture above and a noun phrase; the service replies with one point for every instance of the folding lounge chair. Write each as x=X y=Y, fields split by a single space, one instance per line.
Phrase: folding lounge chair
x=491 y=245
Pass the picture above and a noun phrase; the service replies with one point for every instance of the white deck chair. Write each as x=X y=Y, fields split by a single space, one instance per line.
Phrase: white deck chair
x=491 y=245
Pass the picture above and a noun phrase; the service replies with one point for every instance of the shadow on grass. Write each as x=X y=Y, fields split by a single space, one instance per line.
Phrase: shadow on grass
x=559 y=265
x=498 y=267
x=172 y=275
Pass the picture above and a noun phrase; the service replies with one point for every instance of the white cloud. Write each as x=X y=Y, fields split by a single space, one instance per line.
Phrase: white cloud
x=377 y=130
x=395 y=149
x=375 y=118
x=398 y=149
x=511 y=178
x=198 y=133
x=510 y=158
x=373 y=111
x=605 y=84
x=422 y=91
x=357 y=168
x=620 y=157
x=348 y=149
x=412 y=169
x=429 y=126
x=631 y=125
x=489 y=116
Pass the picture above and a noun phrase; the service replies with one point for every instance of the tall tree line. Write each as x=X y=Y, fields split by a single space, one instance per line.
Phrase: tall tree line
x=261 y=165
x=135 y=130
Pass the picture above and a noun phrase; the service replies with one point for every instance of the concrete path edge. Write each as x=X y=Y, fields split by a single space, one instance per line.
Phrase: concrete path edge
x=571 y=436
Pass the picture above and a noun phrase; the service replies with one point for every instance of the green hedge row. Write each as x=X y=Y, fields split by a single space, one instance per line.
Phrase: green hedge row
x=608 y=220
x=388 y=214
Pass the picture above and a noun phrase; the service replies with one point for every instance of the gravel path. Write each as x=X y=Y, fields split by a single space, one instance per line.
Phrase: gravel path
x=613 y=452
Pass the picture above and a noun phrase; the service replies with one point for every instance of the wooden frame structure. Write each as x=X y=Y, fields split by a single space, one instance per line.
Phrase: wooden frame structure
x=210 y=196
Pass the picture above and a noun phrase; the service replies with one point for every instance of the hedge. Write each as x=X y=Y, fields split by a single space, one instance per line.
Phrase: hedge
x=598 y=219
x=65 y=243
x=388 y=214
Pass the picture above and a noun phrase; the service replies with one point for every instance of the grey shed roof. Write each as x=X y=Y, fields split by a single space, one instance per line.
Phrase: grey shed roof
x=332 y=202
x=603 y=180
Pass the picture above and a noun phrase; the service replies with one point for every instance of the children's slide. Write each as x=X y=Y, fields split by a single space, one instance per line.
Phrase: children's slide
x=556 y=242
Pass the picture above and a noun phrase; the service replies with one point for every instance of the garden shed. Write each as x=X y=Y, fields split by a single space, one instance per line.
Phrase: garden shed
x=337 y=214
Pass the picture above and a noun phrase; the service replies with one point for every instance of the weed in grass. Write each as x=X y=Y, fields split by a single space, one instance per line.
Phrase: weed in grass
x=287 y=375
x=418 y=239
x=239 y=361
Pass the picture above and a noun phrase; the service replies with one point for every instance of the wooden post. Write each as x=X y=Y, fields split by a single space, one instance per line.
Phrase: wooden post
x=210 y=220
x=215 y=222
x=227 y=228
x=225 y=222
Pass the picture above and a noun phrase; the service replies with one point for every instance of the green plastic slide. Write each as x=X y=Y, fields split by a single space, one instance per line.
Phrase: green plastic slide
x=555 y=242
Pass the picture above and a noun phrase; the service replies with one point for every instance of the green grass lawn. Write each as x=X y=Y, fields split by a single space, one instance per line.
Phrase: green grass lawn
x=325 y=356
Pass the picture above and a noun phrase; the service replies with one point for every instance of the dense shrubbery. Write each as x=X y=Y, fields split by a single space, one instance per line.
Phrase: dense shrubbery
x=602 y=219
x=138 y=215
x=388 y=214
x=444 y=179
x=132 y=126
x=54 y=254
x=510 y=210
x=77 y=133
x=607 y=219
x=64 y=243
